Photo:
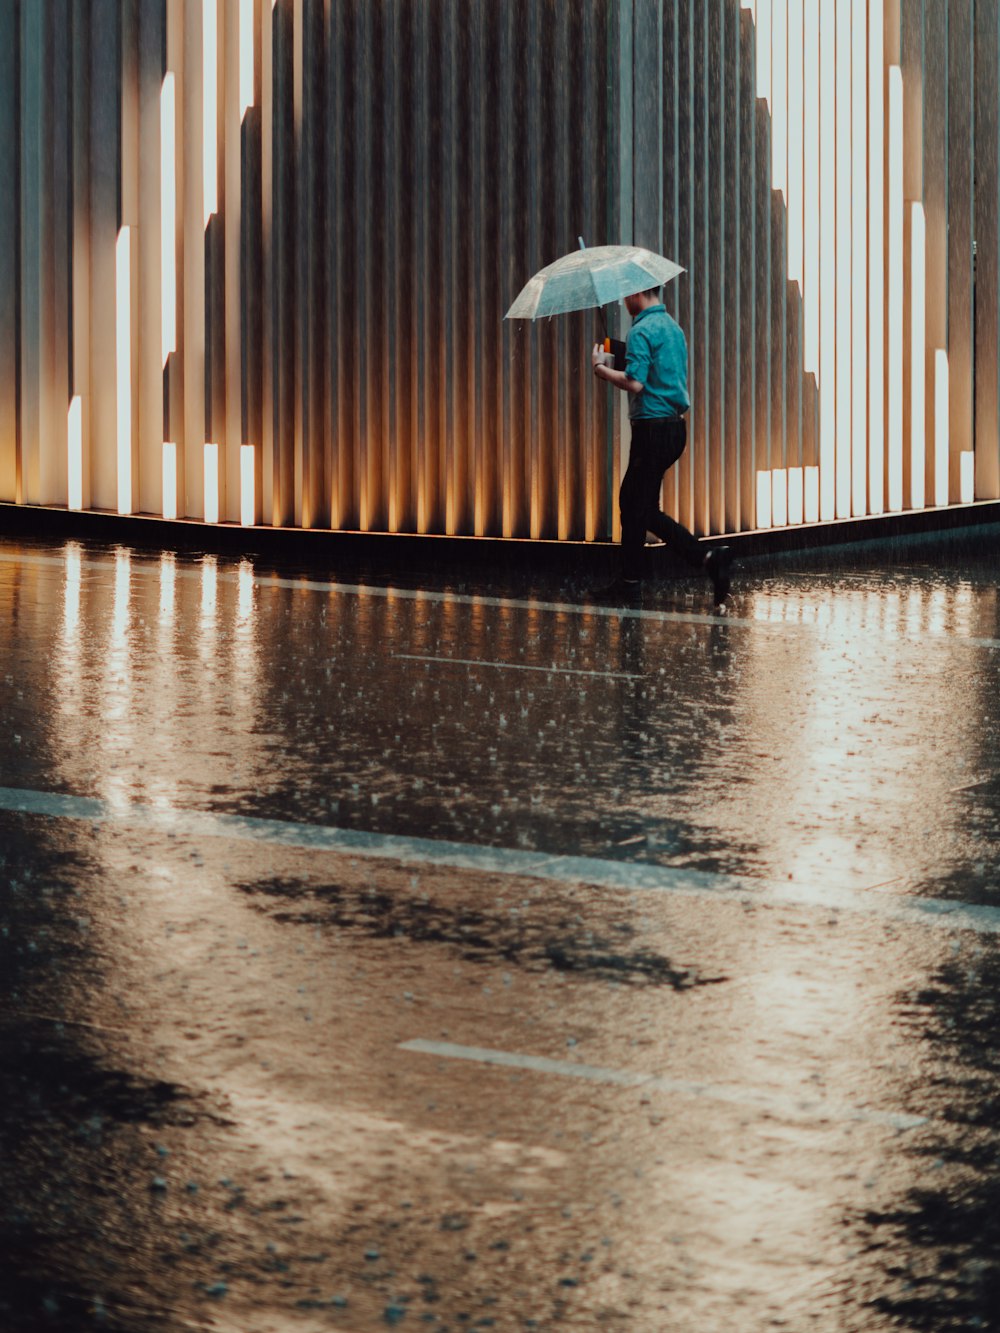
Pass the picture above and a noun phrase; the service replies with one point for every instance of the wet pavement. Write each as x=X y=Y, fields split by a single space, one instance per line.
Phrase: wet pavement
x=465 y=957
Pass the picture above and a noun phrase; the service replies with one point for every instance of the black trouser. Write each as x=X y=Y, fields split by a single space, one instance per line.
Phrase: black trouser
x=656 y=445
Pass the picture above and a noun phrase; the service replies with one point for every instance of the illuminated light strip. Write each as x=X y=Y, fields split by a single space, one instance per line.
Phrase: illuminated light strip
x=942 y=433
x=796 y=113
x=967 y=464
x=918 y=355
x=626 y=876
x=168 y=214
x=859 y=260
x=810 y=498
x=246 y=55
x=210 y=104
x=123 y=366
x=763 y=517
x=74 y=454
x=248 y=508
x=777 y=1107
x=810 y=187
x=779 y=96
x=169 y=480
x=796 y=495
x=211 y=483
x=876 y=259
x=763 y=19
x=894 y=315
x=779 y=498
x=843 y=259
x=828 y=259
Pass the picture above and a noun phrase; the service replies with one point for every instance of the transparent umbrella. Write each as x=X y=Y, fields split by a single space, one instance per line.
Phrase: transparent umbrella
x=590 y=277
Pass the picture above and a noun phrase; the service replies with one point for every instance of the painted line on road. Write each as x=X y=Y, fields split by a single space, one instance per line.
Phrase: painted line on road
x=621 y=876
x=582 y=608
x=518 y=666
x=792 y=1108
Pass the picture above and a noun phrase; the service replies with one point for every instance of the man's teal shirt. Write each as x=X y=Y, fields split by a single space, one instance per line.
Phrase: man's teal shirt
x=656 y=356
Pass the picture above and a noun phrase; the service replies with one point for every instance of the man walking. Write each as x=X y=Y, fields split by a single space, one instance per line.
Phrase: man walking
x=655 y=379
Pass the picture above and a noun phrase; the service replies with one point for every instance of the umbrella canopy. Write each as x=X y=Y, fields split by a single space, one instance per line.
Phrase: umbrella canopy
x=592 y=277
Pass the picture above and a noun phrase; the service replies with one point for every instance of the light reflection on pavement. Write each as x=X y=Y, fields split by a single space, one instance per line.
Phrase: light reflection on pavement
x=231 y=1093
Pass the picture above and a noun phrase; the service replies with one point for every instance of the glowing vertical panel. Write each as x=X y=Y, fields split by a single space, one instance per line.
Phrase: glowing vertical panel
x=827 y=257
x=843 y=259
x=168 y=214
x=796 y=495
x=169 y=480
x=779 y=497
x=246 y=55
x=967 y=465
x=810 y=188
x=763 y=18
x=763 y=517
x=211 y=483
x=779 y=95
x=876 y=259
x=247 y=498
x=795 y=139
x=210 y=103
x=918 y=355
x=859 y=264
x=941 y=432
x=123 y=366
x=74 y=454
x=894 y=313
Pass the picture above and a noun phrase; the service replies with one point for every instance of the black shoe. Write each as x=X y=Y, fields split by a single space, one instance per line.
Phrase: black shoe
x=620 y=591
x=719 y=568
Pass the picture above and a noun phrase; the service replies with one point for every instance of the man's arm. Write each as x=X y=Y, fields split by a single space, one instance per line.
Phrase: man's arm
x=618 y=379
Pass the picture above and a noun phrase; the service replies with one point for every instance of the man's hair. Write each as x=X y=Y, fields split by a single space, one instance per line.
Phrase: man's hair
x=651 y=291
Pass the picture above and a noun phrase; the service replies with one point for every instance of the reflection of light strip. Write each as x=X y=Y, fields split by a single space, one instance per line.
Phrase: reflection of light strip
x=210 y=108
x=169 y=480
x=779 y=95
x=895 y=310
x=245 y=590
x=918 y=355
x=211 y=483
x=763 y=499
x=827 y=258
x=123 y=352
x=967 y=463
x=168 y=579
x=247 y=505
x=810 y=498
x=843 y=258
x=71 y=592
x=168 y=215
x=779 y=497
x=876 y=261
x=74 y=454
x=796 y=506
x=209 y=586
x=810 y=186
x=795 y=130
x=246 y=56
x=764 y=49
x=941 y=432
x=119 y=615
x=859 y=267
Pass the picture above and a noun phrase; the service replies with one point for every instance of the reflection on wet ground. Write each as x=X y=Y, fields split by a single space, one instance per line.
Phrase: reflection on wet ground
x=252 y=1082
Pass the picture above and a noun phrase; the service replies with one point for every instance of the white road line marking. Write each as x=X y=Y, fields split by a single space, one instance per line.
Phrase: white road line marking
x=518 y=666
x=806 y=1108
x=622 y=876
x=528 y=604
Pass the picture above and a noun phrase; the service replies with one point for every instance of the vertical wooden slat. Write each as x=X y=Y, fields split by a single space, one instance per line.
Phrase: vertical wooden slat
x=701 y=261
x=149 y=290
x=717 y=205
x=764 y=251
x=10 y=272
x=961 y=151
x=732 y=312
x=987 y=271
x=935 y=199
x=747 y=326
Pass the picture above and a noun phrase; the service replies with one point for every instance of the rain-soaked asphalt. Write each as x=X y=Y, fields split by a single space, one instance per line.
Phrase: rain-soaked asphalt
x=379 y=957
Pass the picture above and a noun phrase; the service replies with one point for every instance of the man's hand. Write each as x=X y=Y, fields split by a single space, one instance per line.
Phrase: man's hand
x=599 y=357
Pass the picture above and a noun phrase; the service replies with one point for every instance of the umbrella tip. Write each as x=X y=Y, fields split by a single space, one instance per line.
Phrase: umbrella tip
x=583 y=243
